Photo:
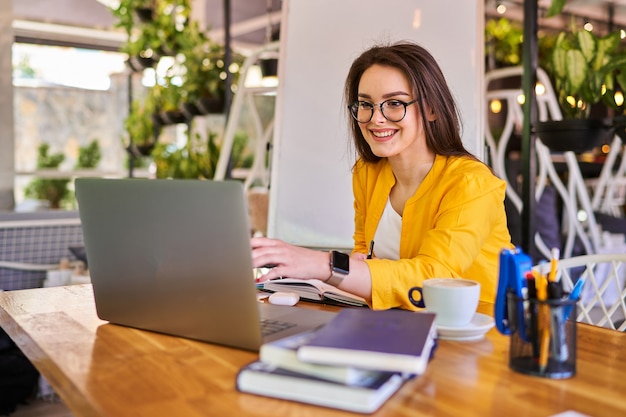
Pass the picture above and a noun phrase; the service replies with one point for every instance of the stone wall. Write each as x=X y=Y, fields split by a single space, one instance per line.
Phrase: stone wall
x=68 y=118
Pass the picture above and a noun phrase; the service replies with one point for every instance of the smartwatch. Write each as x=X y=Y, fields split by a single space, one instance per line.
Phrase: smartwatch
x=339 y=267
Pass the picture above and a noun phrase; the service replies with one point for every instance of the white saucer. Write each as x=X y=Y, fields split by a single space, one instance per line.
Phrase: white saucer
x=475 y=330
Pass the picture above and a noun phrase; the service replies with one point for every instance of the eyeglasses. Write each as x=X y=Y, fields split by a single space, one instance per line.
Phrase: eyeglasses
x=392 y=110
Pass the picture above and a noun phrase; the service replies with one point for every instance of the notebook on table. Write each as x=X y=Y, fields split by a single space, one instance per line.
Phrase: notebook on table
x=174 y=256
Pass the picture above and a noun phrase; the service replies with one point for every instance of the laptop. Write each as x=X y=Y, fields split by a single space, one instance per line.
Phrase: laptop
x=174 y=256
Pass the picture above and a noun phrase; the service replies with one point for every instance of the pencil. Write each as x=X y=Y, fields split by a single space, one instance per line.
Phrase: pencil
x=544 y=323
x=554 y=260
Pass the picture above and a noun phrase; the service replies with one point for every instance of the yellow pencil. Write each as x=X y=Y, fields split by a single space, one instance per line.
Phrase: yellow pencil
x=553 y=263
x=543 y=322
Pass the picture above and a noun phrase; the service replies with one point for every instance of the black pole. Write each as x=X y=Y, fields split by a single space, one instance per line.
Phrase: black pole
x=529 y=162
x=227 y=61
x=227 y=56
x=131 y=155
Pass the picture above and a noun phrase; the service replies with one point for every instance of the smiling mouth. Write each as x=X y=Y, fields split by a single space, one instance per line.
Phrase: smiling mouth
x=383 y=135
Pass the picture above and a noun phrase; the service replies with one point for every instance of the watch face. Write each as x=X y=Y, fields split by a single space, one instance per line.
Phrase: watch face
x=341 y=262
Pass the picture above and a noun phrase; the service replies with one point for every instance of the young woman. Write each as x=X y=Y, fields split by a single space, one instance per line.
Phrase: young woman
x=432 y=208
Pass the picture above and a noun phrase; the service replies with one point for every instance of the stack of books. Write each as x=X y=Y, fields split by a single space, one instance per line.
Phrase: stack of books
x=356 y=362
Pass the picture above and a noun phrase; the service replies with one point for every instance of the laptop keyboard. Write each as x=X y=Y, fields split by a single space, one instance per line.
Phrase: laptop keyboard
x=269 y=327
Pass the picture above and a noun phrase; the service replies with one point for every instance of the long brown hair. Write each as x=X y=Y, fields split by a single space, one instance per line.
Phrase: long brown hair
x=443 y=135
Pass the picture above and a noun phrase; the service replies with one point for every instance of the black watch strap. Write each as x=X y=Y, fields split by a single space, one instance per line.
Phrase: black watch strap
x=339 y=267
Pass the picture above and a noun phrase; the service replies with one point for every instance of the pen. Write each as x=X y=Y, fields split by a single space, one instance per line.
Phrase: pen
x=578 y=287
x=557 y=323
x=370 y=253
x=532 y=329
x=544 y=323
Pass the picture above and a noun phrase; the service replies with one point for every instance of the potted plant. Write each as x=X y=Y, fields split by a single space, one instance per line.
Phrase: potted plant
x=141 y=45
x=503 y=43
x=198 y=157
x=140 y=56
x=586 y=70
x=89 y=156
x=163 y=26
x=154 y=29
x=55 y=190
x=145 y=10
x=167 y=98
x=140 y=127
x=204 y=71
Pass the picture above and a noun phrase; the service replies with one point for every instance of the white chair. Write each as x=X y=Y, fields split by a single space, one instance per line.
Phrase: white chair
x=548 y=109
x=602 y=302
x=575 y=199
x=609 y=189
x=604 y=194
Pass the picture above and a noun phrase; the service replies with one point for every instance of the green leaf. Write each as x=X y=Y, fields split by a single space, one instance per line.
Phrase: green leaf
x=621 y=77
x=555 y=7
x=577 y=66
x=605 y=48
x=559 y=63
x=587 y=45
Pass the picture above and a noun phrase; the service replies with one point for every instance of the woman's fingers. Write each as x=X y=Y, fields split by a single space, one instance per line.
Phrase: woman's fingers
x=288 y=260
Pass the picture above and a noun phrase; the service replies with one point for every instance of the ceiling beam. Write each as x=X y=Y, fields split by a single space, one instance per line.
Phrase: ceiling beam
x=53 y=34
x=246 y=26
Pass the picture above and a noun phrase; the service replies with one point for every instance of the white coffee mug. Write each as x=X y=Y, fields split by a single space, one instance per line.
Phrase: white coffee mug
x=454 y=300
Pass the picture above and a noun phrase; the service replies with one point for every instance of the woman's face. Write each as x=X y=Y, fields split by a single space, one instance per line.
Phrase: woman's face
x=386 y=138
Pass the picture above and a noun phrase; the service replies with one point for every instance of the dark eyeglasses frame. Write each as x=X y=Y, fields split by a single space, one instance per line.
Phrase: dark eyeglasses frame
x=354 y=106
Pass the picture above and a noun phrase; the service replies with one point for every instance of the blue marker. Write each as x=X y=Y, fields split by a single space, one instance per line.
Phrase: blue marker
x=574 y=295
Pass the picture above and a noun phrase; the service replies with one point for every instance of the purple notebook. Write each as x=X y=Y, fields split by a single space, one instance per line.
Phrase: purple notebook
x=387 y=340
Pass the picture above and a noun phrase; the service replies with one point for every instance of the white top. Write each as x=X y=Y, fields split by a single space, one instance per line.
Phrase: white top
x=387 y=236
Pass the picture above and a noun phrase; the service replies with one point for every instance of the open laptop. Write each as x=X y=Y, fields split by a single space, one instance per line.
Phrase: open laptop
x=174 y=256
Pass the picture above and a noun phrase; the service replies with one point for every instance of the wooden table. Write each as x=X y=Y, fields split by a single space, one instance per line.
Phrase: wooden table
x=100 y=369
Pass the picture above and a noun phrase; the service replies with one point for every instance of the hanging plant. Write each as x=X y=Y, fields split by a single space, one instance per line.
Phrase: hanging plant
x=587 y=69
x=154 y=29
x=503 y=43
x=140 y=127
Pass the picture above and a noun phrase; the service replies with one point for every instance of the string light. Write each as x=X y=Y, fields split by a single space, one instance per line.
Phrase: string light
x=495 y=106
x=540 y=89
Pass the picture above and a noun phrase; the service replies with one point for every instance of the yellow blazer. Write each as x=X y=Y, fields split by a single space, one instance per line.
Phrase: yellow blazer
x=453 y=226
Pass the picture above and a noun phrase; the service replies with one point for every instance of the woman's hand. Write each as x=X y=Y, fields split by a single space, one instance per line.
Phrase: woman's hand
x=288 y=260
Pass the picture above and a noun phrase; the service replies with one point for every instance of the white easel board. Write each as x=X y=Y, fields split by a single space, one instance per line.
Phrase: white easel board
x=311 y=202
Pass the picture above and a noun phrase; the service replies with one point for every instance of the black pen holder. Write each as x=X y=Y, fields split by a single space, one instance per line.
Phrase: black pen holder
x=543 y=336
